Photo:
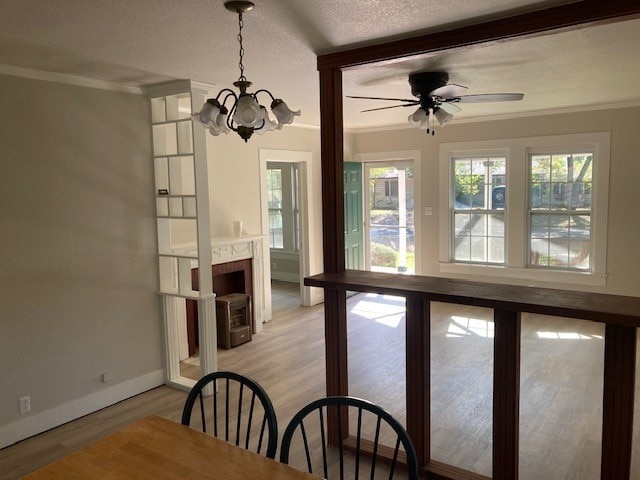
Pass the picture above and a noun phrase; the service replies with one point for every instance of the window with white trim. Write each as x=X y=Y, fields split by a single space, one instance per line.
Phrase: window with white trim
x=560 y=209
x=479 y=193
x=282 y=200
x=531 y=208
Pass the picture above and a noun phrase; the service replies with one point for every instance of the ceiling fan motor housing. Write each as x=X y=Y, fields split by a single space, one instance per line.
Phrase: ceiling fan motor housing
x=423 y=83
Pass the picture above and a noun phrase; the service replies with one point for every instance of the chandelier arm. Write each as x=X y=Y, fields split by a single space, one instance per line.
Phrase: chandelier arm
x=255 y=95
x=232 y=110
x=230 y=93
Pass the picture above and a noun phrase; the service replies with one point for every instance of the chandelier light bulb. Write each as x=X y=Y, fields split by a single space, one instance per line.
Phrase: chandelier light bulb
x=207 y=116
x=269 y=125
x=248 y=113
x=418 y=118
x=282 y=112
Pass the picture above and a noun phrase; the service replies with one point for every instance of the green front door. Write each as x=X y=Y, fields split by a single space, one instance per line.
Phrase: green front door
x=353 y=226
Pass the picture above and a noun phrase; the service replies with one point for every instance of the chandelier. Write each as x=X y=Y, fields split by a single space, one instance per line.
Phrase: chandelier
x=245 y=115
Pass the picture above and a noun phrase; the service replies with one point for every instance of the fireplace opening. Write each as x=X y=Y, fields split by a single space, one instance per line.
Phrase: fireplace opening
x=227 y=278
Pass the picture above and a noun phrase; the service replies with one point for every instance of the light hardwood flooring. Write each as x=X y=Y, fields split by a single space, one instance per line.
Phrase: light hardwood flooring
x=561 y=384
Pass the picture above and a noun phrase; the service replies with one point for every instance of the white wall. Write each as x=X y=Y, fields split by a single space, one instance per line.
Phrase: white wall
x=234 y=181
x=79 y=269
x=623 y=255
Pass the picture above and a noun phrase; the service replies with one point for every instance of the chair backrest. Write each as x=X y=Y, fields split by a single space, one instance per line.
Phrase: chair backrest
x=232 y=404
x=311 y=442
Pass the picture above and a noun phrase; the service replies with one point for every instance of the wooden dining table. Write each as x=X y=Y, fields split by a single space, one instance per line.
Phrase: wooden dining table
x=157 y=448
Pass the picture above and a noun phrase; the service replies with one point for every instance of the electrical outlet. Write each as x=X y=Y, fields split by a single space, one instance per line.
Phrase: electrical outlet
x=25 y=405
x=274 y=265
x=106 y=377
x=428 y=210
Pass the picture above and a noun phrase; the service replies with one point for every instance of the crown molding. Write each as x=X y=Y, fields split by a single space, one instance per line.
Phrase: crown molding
x=76 y=80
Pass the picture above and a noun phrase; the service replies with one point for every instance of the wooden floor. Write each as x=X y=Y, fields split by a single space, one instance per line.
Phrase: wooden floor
x=560 y=376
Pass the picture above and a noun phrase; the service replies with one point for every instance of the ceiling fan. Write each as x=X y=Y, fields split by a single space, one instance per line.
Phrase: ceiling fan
x=437 y=99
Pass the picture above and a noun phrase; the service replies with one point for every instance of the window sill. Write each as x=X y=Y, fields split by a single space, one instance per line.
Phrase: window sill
x=525 y=275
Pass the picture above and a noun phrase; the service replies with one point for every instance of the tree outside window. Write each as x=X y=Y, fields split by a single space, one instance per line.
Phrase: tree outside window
x=560 y=208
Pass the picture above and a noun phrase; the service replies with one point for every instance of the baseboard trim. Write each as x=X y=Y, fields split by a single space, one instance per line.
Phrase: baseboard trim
x=40 y=422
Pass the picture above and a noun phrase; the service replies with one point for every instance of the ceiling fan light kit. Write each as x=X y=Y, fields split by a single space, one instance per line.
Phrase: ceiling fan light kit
x=245 y=115
x=437 y=99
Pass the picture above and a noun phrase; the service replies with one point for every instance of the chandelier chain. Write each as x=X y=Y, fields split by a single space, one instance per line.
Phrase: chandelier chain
x=240 y=64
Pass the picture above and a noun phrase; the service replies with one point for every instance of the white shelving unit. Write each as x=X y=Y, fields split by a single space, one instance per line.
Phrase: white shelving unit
x=182 y=211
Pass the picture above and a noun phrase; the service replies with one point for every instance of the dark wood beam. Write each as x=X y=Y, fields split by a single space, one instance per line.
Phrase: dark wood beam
x=506 y=394
x=335 y=331
x=573 y=15
x=332 y=151
x=599 y=307
x=619 y=388
x=418 y=372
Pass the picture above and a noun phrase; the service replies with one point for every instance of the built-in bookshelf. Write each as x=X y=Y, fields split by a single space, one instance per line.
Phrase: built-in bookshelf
x=182 y=216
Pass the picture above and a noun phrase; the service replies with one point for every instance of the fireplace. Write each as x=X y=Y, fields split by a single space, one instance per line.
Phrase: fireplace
x=228 y=278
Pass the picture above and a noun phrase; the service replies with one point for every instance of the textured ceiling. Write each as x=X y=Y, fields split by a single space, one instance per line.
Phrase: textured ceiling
x=141 y=42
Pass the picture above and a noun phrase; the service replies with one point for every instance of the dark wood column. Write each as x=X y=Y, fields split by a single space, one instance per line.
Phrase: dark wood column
x=619 y=385
x=506 y=394
x=335 y=310
x=332 y=151
x=418 y=341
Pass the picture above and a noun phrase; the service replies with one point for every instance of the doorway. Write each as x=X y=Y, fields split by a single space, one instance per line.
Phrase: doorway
x=285 y=182
x=283 y=179
x=391 y=194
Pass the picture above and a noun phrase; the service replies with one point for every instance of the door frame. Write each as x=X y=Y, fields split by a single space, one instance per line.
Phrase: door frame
x=303 y=159
x=414 y=157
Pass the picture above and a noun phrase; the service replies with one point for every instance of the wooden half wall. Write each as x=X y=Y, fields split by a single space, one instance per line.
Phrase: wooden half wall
x=620 y=339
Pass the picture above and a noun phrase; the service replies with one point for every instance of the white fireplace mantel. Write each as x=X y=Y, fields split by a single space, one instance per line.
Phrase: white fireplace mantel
x=254 y=247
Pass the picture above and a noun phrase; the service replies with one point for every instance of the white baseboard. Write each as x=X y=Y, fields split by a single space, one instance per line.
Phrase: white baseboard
x=40 y=422
x=291 y=277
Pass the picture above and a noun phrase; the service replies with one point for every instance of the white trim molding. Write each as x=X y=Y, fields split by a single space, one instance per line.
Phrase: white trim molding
x=415 y=158
x=308 y=295
x=76 y=80
x=40 y=422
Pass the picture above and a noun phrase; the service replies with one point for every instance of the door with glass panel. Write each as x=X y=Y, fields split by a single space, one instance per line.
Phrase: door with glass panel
x=389 y=217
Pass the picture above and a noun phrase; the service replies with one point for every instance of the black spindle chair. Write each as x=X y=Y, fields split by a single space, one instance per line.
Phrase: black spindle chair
x=234 y=410
x=311 y=443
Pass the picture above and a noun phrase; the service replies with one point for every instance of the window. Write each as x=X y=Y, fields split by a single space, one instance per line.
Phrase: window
x=533 y=208
x=560 y=204
x=282 y=202
x=274 y=199
x=391 y=187
x=479 y=192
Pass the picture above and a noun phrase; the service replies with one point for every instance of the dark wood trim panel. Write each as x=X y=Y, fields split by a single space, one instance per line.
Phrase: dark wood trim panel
x=573 y=15
x=618 y=406
x=506 y=394
x=335 y=314
x=418 y=372
x=620 y=314
x=598 y=307
x=332 y=151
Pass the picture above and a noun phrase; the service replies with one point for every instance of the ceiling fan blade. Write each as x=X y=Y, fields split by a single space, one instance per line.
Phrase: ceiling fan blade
x=449 y=91
x=491 y=97
x=383 y=98
x=442 y=117
x=392 y=106
x=449 y=107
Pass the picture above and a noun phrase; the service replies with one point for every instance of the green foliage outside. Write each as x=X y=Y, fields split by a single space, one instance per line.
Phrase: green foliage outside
x=383 y=256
